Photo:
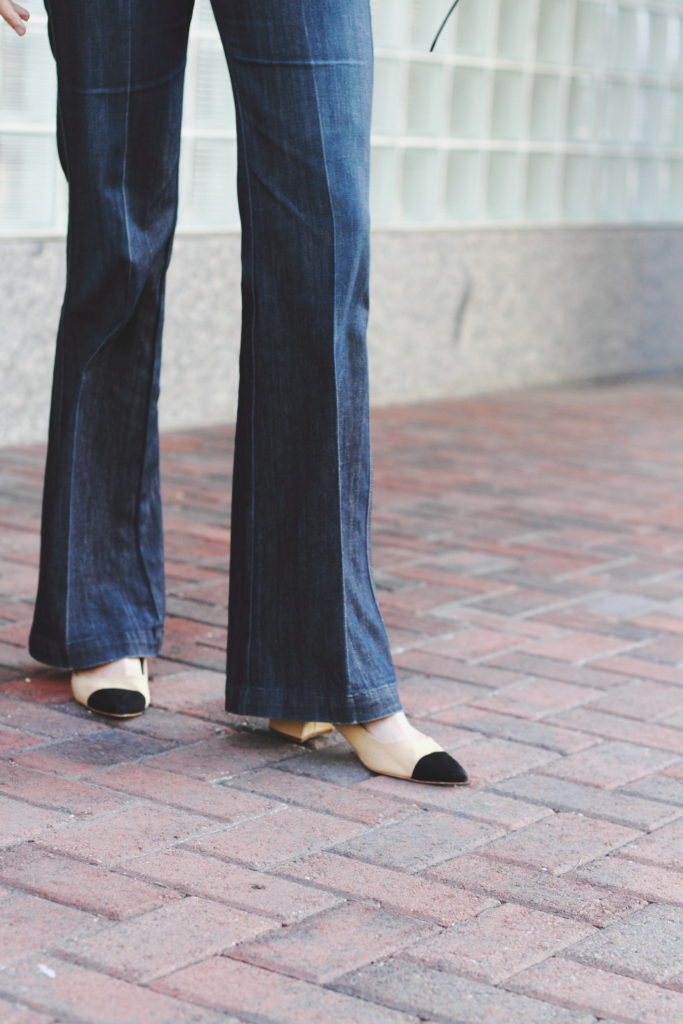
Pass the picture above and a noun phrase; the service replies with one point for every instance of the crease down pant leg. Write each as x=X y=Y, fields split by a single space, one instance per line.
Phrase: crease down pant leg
x=305 y=635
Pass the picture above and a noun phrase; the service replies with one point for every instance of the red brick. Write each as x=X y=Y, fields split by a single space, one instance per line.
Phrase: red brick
x=165 y=939
x=665 y=648
x=277 y=838
x=44 y=721
x=181 y=791
x=80 y=755
x=192 y=691
x=420 y=840
x=444 y=577
x=610 y=764
x=663 y=847
x=128 y=833
x=350 y=802
x=231 y=883
x=535 y=698
x=450 y=997
x=459 y=611
x=474 y=643
x=226 y=756
x=642 y=700
x=563 y=894
x=588 y=988
x=630 y=665
x=44 y=688
x=79 y=885
x=647 y=944
x=29 y=924
x=424 y=695
x=12 y=1014
x=616 y=727
x=534 y=733
x=394 y=890
x=12 y=740
x=326 y=945
x=228 y=985
x=663 y=623
x=524 y=662
x=560 y=842
x=61 y=794
x=657 y=787
x=418 y=599
x=176 y=728
x=68 y=991
x=422 y=659
x=499 y=942
x=470 y=802
x=611 y=805
x=579 y=647
x=22 y=821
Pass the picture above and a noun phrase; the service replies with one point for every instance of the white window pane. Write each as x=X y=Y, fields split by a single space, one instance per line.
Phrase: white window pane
x=27 y=181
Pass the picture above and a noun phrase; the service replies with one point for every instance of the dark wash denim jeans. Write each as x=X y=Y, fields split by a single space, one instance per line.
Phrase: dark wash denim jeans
x=306 y=637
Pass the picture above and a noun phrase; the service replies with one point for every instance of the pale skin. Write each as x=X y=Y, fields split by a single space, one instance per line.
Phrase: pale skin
x=391 y=727
x=15 y=15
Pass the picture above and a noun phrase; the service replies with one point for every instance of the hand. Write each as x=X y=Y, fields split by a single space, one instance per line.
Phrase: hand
x=14 y=15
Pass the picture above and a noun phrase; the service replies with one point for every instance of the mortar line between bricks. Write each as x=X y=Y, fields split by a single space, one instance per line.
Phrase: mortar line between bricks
x=602 y=815
x=68 y=1018
x=531 y=904
x=621 y=972
x=505 y=983
x=156 y=848
x=297 y=802
x=614 y=563
x=19 y=889
x=654 y=863
x=149 y=980
x=603 y=789
x=135 y=801
x=163 y=802
x=638 y=718
x=394 y=1004
x=352 y=898
x=554 y=605
x=568 y=1005
x=556 y=874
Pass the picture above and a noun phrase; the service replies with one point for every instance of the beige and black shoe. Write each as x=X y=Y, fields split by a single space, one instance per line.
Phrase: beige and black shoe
x=299 y=731
x=118 y=697
x=418 y=759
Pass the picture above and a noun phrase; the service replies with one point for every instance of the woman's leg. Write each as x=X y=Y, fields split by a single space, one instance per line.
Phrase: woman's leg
x=120 y=71
x=306 y=639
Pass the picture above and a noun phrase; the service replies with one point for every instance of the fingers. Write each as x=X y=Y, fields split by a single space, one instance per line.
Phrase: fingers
x=15 y=15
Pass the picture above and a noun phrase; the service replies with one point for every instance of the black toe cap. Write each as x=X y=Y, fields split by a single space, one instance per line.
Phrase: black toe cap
x=439 y=767
x=116 y=701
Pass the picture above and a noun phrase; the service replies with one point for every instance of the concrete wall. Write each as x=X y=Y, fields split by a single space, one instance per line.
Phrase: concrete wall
x=453 y=313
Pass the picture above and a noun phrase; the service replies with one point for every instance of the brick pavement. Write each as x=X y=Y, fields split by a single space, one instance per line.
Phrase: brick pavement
x=190 y=866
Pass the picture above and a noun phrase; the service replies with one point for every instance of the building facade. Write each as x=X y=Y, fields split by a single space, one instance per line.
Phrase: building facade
x=527 y=200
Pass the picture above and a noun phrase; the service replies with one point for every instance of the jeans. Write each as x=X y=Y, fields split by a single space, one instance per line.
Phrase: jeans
x=306 y=638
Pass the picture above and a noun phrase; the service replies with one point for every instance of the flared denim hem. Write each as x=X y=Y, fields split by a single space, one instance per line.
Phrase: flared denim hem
x=95 y=651
x=309 y=706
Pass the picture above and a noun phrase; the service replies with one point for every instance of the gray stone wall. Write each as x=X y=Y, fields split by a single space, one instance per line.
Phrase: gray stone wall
x=453 y=313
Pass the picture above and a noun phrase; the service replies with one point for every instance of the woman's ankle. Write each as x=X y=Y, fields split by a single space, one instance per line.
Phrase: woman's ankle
x=391 y=728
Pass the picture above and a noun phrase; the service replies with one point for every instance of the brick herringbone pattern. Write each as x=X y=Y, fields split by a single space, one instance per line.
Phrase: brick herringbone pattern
x=191 y=866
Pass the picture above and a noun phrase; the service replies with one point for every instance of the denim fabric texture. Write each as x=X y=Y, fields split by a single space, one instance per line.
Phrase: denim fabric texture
x=306 y=638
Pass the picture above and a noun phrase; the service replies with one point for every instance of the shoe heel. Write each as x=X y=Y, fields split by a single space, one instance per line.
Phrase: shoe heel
x=299 y=731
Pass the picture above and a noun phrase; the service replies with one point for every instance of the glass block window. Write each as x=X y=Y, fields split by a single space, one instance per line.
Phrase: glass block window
x=527 y=112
